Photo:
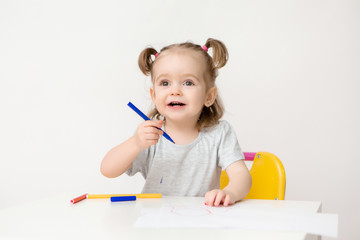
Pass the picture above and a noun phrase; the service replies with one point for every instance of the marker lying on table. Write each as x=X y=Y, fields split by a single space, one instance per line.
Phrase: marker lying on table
x=78 y=199
x=140 y=195
x=141 y=114
x=123 y=198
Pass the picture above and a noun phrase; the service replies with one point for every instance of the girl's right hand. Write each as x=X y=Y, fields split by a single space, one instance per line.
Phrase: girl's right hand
x=147 y=133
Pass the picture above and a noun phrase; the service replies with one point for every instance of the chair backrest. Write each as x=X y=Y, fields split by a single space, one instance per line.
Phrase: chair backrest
x=268 y=177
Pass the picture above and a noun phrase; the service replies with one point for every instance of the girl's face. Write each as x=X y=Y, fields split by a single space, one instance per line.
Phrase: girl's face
x=179 y=89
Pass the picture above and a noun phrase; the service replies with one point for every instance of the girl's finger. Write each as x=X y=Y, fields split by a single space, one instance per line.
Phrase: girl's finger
x=219 y=198
x=156 y=124
x=227 y=200
x=152 y=142
x=210 y=197
x=153 y=130
x=152 y=136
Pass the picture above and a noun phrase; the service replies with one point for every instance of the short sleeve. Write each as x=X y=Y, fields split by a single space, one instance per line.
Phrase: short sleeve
x=229 y=150
x=141 y=163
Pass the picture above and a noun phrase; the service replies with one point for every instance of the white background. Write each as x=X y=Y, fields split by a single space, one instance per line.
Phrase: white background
x=291 y=87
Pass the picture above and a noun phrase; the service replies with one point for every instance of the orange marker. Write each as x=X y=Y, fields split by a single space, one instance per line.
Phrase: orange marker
x=140 y=195
x=78 y=199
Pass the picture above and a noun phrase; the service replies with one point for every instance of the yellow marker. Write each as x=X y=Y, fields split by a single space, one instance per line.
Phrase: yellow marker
x=140 y=195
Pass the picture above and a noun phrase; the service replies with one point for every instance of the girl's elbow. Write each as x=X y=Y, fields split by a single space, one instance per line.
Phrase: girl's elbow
x=109 y=172
x=105 y=172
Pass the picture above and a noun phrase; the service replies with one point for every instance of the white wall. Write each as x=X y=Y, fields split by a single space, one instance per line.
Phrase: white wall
x=68 y=69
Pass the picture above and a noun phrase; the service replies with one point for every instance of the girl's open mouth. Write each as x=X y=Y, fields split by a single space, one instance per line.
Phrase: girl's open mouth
x=176 y=105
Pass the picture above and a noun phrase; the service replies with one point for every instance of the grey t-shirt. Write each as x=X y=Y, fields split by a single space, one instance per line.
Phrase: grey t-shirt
x=188 y=170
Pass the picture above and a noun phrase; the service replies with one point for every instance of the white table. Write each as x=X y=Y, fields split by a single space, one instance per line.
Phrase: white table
x=57 y=218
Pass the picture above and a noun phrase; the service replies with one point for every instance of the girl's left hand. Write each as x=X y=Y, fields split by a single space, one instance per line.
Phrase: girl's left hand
x=216 y=197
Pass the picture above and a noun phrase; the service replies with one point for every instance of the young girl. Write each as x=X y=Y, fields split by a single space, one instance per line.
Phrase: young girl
x=188 y=108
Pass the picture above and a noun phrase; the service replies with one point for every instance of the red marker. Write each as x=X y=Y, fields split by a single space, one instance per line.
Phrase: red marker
x=78 y=199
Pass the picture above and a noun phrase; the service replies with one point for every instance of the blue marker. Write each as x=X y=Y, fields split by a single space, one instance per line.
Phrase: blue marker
x=147 y=118
x=123 y=198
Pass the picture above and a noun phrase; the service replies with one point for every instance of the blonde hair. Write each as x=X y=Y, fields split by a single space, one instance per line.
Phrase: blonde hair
x=210 y=116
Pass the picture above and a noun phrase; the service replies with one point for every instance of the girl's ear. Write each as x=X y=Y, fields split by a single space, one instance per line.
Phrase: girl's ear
x=211 y=96
x=152 y=94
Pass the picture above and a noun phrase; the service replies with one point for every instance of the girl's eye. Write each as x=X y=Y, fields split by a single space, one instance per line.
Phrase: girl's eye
x=164 y=83
x=188 y=83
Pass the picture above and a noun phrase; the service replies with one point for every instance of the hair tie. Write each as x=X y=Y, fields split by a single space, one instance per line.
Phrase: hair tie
x=157 y=54
x=205 y=48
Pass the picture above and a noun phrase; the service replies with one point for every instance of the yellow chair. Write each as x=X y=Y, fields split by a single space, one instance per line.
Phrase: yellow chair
x=268 y=177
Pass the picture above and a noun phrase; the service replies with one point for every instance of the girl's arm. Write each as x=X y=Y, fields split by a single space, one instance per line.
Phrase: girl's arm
x=238 y=187
x=120 y=158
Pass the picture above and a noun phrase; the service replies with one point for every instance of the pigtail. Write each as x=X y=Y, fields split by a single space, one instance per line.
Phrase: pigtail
x=145 y=60
x=220 y=53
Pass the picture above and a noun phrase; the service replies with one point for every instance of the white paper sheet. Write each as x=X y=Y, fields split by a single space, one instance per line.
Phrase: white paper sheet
x=236 y=216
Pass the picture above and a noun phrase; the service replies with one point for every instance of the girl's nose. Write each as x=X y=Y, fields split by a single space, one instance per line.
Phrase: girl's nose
x=176 y=90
